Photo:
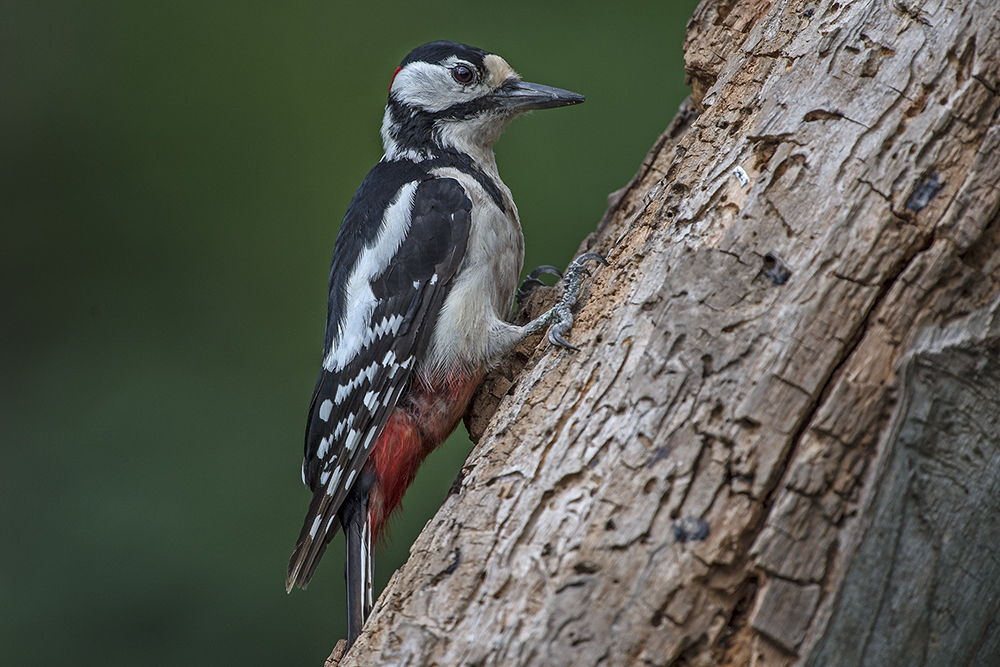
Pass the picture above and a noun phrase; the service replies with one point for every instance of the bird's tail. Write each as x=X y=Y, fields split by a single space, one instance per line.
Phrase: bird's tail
x=358 y=571
x=320 y=526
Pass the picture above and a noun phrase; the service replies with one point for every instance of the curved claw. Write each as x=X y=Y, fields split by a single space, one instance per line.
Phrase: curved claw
x=525 y=289
x=590 y=256
x=532 y=281
x=556 y=339
x=544 y=268
x=577 y=268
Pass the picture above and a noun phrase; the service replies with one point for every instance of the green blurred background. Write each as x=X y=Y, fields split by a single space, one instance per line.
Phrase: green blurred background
x=171 y=179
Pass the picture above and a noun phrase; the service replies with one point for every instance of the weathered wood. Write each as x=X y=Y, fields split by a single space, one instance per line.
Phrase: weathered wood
x=780 y=441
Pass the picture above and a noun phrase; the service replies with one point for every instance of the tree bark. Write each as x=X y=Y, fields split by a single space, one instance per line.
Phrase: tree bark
x=779 y=443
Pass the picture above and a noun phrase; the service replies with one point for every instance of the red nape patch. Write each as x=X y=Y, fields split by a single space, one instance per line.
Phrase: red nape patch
x=393 y=79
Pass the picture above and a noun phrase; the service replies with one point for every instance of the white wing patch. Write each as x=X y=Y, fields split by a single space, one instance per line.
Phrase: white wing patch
x=354 y=331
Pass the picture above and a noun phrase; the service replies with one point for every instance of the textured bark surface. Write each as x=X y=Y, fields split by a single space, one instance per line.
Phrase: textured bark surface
x=780 y=441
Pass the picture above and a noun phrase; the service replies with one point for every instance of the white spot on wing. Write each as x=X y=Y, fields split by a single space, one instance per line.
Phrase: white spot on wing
x=352 y=440
x=344 y=390
x=324 y=447
x=315 y=526
x=368 y=440
x=337 y=474
x=325 y=409
x=350 y=479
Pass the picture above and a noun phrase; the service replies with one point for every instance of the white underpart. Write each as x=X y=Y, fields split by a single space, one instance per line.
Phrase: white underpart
x=359 y=299
x=474 y=136
x=472 y=329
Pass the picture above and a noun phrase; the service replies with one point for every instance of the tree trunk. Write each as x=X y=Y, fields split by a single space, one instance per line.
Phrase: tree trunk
x=780 y=441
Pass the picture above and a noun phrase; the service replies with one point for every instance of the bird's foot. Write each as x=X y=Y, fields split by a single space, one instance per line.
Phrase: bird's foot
x=559 y=318
x=572 y=282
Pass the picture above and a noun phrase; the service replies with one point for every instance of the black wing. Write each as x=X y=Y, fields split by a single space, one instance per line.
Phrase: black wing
x=374 y=343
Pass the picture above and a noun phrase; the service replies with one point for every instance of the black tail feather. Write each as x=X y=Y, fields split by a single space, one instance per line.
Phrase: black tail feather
x=311 y=544
x=357 y=568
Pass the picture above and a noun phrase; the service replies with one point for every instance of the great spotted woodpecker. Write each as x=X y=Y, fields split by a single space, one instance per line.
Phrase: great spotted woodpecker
x=423 y=279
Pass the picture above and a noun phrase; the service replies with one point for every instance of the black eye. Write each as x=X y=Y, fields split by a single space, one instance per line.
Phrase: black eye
x=462 y=73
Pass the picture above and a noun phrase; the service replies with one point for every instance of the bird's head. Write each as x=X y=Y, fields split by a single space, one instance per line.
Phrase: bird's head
x=450 y=96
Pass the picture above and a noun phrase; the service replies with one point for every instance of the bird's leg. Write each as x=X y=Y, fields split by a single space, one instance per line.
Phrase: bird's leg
x=559 y=318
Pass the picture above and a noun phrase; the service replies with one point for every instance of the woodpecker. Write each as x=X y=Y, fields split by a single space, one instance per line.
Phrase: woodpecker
x=423 y=278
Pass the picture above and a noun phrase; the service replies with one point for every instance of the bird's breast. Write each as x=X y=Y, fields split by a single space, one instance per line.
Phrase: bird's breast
x=482 y=292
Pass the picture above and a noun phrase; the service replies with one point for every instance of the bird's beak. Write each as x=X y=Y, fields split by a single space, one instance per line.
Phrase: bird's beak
x=520 y=96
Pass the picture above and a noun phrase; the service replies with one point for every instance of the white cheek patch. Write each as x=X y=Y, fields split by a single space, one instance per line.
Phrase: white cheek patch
x=432 y=88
